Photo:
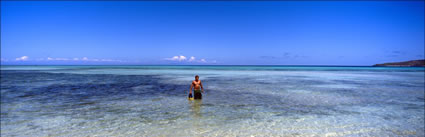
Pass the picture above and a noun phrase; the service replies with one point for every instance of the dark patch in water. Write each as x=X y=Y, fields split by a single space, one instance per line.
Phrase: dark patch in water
x=26 y=95
x=74 y=89
x=86 y=103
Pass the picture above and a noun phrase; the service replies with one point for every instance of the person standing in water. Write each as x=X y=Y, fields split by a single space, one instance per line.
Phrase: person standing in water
x=198 y=88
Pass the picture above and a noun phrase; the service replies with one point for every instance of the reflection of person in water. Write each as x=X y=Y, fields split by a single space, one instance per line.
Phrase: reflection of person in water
x=196 y=108
x=196 y=118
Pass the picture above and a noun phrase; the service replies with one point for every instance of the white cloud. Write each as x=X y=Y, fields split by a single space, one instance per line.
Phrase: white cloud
x=192 y=59
x=62 y=59
x=183 y=58
x=177 y=58
x=82 y=59
x=23 y=58
x=57 y=59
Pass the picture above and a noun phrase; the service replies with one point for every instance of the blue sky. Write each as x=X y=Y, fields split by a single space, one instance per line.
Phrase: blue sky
x=211 y=33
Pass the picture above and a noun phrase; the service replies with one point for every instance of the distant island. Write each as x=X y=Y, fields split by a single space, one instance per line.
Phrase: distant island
x=412 y=63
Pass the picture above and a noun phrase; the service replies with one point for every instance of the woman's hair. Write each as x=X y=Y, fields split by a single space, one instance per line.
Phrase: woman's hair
x=196 y=76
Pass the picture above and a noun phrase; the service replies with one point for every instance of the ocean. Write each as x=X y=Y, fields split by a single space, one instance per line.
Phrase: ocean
x=238 y=101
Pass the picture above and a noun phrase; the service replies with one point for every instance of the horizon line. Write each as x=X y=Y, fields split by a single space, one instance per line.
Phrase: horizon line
x=224 y=65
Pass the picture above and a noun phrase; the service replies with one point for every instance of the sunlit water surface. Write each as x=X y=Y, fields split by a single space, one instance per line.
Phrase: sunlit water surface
x=239 y=101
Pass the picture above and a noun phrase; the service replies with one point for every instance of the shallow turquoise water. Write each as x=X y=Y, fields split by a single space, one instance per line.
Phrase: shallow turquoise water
x=239 y=101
